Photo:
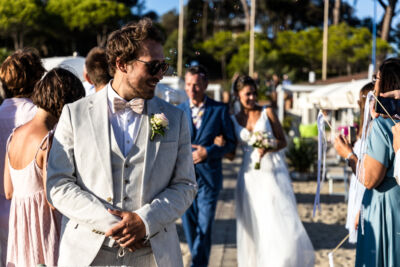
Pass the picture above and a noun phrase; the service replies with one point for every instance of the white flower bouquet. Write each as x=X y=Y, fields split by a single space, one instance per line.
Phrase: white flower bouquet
x=263 y=140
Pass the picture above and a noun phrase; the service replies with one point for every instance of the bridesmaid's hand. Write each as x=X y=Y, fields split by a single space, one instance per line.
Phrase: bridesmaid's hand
x=342 y=146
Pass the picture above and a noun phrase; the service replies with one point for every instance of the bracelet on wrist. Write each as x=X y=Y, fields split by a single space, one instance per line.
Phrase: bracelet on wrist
x=347 y=159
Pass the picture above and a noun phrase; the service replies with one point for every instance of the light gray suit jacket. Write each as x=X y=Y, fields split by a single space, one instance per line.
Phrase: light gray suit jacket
x=79 y=180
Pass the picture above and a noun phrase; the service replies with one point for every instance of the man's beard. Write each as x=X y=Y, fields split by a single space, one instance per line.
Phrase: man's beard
x=145 y=92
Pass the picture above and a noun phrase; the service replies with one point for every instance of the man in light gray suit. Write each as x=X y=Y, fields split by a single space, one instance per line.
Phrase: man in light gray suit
x=120 y=168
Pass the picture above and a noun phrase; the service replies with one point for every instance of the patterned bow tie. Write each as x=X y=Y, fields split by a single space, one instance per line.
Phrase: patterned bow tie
x=136 y=105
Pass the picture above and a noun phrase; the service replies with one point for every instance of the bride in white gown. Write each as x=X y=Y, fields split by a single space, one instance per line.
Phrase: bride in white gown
x=269 y=230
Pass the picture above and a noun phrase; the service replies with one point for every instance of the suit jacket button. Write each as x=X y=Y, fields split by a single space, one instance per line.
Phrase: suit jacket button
x=109 y=199
x=126 y=166
x=165 y=229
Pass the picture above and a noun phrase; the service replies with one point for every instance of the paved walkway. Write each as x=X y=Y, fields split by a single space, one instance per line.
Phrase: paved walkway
x=223 y=251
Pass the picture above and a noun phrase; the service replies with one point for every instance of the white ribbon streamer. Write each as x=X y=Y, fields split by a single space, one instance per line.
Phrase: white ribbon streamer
x=321 y=159
x=330 y=257
x=360 y=172
x=364 y=135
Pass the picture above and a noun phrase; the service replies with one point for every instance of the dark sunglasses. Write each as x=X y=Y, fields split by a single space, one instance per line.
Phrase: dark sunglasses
x=154 y=66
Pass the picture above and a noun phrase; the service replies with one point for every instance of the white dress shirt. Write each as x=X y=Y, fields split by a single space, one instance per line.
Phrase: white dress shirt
x=125 y=123
x=197 y=113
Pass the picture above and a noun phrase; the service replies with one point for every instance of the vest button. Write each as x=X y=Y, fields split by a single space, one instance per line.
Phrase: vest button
x=125 y=198
x=126 y=166
x=109 y=199
x=126 y=181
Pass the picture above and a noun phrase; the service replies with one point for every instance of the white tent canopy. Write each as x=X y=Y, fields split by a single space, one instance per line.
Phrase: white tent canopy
x=307 y=99
x=338 y=95
x=73 y=64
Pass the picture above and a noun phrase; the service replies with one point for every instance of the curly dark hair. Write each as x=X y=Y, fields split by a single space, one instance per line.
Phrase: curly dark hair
x=97 y=66
x=57 y=88
x=124 y=44
x=20 y=72
x=242 y=81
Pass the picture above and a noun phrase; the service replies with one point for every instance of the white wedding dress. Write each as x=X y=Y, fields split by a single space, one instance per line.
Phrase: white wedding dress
x=269 y=230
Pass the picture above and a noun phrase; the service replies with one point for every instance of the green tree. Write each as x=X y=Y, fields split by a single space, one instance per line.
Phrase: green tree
x=97 y=15
x=306 y=44
x=349 y=49
x=18 y=17
x=220 y=46
x=240 y=61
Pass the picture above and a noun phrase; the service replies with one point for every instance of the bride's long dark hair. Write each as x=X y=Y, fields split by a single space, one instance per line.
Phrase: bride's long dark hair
x=241 y=82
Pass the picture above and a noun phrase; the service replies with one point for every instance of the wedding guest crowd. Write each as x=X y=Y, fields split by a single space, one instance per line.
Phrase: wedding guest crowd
x=101 y=179
x=375 y=217
x=34 y=235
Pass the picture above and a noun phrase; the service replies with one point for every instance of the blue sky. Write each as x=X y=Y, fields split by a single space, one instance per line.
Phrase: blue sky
x=364 y=8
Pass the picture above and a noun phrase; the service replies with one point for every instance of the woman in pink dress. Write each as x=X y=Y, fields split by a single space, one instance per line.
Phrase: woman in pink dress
x=18 y=74
x=34 y=230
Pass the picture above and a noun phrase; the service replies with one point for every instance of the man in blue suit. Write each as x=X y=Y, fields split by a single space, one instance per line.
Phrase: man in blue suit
x=207 y=120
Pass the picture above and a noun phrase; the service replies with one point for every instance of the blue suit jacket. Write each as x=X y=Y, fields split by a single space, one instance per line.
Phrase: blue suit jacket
x=215 y=121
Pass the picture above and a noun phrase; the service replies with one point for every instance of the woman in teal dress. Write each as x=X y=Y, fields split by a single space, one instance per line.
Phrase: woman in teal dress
x=378 y=241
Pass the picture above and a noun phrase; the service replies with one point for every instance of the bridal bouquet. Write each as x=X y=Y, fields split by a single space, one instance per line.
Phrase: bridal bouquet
x=262 y=140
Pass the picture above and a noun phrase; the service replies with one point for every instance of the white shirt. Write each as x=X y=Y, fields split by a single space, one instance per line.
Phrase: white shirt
x=89 y=88
x=197 y=113
x=125 y=123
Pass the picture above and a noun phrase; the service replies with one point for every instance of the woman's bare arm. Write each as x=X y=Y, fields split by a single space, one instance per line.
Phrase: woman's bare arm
x=8 y=187
x=374 y=172
x=42 y=157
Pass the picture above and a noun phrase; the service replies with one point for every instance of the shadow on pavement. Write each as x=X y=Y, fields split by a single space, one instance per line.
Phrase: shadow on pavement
x=325 y=198
x=326 y=236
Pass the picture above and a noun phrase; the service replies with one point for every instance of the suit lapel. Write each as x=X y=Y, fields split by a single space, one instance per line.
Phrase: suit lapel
x=100 y=125
x=188 y=113
x=153 y=107
x=204 y=119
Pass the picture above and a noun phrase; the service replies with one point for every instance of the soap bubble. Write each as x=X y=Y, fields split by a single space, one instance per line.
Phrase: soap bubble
x=172 y=51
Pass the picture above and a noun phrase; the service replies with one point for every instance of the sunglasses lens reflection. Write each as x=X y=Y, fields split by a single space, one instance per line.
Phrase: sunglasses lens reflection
x=156 y=66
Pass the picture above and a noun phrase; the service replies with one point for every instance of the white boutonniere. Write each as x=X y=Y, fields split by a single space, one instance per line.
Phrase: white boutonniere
x=159 y=124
